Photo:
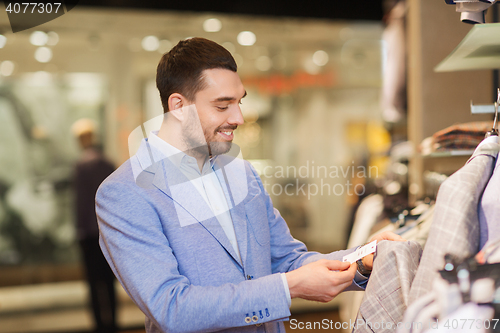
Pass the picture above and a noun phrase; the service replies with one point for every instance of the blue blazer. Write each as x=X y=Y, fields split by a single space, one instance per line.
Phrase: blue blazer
x=174 y=260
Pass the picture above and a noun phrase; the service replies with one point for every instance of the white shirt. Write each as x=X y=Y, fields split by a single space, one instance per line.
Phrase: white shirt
x=205 y=181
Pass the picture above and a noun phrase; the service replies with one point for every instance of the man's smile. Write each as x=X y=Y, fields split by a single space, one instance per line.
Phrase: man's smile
x=227 y=135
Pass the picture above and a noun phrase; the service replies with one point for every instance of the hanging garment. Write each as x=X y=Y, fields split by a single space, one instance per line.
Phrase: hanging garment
x=393 y=101
x=469 y=318
x=369 y=211
x=442 y=311
x=455 y=226
x=489 y=209
x=491 y=251
x=386 y=294
x=420 y=232
x=462 y=299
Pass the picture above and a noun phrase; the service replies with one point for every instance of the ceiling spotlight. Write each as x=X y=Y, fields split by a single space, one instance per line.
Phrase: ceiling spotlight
x=6 y=68
x=310 y=66
x=39 y=38
x=150 y=43
x=246 y=38
x=263 y=63
x=320 y=58
x=3 y=41
x=43 y=54
x=212 y=25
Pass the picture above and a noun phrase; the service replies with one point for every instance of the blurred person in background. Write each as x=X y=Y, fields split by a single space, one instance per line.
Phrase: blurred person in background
x=90 y=170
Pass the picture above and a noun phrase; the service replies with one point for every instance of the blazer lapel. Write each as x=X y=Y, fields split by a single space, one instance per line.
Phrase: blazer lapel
x=173 y=183
x=485 y=148
x=232 y=177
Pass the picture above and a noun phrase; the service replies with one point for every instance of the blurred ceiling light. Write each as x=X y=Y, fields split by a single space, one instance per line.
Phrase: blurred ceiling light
x=263 y=63
x=229 y=46
x=39 y=38
x=43 y=54
x=165 y=46
x=392 y=188
x=311 y=67
x=6 y=68
x=3 y=41
x=246 y=38
x=52 y=38
x=212 y=25
x=150 y=43
x=320 y=58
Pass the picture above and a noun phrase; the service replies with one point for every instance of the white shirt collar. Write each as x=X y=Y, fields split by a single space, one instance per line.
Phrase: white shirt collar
x=176 y=156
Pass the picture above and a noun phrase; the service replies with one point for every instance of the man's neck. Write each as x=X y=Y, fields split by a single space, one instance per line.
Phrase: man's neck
x=171 y=134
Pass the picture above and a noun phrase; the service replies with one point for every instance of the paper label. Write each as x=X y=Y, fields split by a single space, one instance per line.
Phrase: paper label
x=361 y=252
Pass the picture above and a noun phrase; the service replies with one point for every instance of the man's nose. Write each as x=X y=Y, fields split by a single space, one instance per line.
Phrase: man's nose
x=236 y=117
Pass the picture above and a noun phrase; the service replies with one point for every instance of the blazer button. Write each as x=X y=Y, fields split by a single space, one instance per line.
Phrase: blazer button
x=248 y=320
x=255 y=318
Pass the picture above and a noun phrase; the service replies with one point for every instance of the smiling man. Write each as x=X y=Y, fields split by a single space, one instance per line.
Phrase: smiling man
x=188 y=228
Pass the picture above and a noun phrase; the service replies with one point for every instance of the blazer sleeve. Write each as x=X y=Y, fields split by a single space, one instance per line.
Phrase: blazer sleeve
x=288 y=253
x=144 y=263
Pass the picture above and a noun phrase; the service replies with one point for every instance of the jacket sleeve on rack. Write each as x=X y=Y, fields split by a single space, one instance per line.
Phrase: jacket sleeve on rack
x=455 y=226
x=386 y=295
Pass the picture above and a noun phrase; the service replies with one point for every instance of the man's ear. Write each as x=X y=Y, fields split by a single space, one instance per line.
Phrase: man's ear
x=176 y=102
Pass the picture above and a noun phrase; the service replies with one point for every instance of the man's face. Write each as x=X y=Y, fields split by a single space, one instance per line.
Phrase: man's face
x=218 y=109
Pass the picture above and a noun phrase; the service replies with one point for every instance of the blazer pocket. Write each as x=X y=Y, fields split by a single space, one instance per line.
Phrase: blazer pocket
x=257 y=217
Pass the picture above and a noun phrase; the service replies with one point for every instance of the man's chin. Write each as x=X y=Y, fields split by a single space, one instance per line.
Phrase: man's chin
x=219 y=148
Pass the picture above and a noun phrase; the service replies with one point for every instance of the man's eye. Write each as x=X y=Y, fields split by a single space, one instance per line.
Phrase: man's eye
x=222 y=108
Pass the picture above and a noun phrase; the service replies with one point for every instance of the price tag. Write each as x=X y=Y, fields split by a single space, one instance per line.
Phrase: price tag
x=361 y=252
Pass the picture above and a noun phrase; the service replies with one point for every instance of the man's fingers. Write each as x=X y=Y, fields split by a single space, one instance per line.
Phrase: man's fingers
x=388 y=235
x=336 y=265
x=395 y=237
x=347 y=275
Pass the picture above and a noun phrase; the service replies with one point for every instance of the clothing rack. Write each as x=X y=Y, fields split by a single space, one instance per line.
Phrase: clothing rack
x=482 y=109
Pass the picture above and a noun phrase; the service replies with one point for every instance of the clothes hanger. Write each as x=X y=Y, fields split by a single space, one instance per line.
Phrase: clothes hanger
x=494 y=130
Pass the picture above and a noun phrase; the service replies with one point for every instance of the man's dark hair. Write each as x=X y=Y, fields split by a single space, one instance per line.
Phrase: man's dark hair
x=180 y=70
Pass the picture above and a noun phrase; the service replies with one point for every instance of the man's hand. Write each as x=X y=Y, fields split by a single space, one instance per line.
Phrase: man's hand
x=321 y=280
x=386 y=235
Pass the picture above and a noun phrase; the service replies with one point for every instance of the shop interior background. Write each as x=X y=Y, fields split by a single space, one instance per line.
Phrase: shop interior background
x=314 y=83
